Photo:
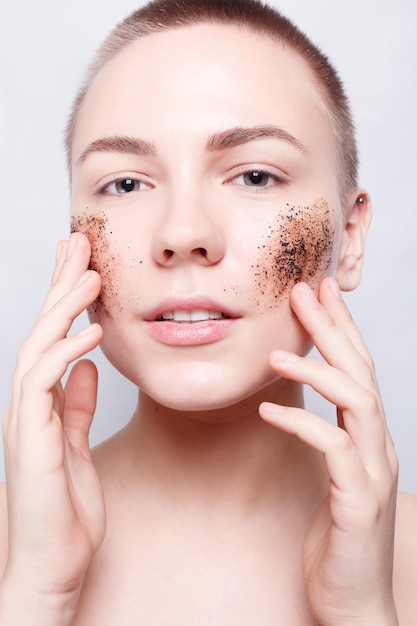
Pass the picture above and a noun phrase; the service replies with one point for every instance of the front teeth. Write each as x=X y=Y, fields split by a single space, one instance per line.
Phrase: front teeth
x=195 y=315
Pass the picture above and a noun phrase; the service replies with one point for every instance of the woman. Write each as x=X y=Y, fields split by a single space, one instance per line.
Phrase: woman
x=215 y=216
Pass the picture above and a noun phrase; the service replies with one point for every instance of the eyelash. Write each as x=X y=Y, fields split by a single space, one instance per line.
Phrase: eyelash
x=105 y=190
x=276 y=180
x=136 y=183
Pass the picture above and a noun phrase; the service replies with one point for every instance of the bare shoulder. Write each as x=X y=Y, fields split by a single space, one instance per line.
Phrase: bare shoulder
x=405 y=559
x=3 y=528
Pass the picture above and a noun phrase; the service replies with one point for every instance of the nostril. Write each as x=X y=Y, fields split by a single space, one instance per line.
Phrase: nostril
x=200 y=252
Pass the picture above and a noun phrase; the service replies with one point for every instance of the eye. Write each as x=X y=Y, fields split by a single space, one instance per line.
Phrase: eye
x=257 y=179
x=123 y=186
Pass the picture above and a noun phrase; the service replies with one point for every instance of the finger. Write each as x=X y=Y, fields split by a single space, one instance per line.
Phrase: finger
x=60 y=259
x=342 y=460
x=356 y=494
x=80 y=404
x=330 y=338
x=360 y=408
x=54 y=325
x=331 y=298
x=35 y=406
x=73 y=261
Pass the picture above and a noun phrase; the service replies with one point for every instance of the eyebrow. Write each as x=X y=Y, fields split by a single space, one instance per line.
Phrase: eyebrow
x=217 y=141
x=241 y=135
x=123 y=144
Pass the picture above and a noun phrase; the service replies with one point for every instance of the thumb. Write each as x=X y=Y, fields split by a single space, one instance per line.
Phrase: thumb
x=80 y=404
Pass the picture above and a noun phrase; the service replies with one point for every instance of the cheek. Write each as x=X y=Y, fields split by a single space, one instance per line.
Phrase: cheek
x=298 y=248
x=104 y=259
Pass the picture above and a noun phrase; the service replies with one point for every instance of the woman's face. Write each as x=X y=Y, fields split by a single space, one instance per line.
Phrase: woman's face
x=204 y=176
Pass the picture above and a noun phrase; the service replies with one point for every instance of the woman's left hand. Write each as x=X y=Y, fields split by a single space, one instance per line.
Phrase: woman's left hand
x=348 y=552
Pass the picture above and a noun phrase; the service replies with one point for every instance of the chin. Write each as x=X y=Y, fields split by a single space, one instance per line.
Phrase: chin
x=204 y=393
x=195 y=403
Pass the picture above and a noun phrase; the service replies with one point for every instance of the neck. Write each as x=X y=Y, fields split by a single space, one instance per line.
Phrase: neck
x=220 y=460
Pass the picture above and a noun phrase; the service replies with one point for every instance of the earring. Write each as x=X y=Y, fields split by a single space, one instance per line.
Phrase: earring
x=360 y=200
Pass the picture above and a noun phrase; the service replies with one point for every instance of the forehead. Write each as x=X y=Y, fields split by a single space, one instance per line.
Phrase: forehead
x=194 y=80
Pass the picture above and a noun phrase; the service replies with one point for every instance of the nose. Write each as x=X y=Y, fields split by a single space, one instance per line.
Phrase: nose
x=188 y=231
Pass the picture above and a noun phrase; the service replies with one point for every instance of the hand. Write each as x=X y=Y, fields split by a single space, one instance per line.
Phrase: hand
x=55 y=503
x=348 y=552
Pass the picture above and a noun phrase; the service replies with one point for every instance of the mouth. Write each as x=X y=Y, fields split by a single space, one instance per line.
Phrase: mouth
x=191 y=316
x=190 y=321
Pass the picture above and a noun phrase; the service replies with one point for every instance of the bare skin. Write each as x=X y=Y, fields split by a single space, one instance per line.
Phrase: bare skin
x=223 y=501
x=205 y=545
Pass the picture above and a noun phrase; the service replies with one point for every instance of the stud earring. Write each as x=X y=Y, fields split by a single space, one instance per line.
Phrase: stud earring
x=361 y=200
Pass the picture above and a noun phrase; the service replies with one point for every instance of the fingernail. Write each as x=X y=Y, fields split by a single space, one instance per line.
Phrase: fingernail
x=72 y=244
x=270 y=410
x=283 y=356
x=308 y=295
x=335 y=288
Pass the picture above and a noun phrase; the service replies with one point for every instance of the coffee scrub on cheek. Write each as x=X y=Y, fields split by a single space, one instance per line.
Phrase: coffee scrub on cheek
x=104 y=259
x=298 y=248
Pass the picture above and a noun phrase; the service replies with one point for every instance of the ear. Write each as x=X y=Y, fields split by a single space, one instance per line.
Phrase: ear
x=352 y=244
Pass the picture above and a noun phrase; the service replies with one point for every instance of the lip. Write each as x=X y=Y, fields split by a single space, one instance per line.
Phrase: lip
x=190 y=334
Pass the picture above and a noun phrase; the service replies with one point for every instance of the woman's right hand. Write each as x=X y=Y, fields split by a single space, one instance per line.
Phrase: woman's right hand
x=56 y=515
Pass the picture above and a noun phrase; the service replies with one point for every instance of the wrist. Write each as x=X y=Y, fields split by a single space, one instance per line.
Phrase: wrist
x=21 y=605
x=388 y=617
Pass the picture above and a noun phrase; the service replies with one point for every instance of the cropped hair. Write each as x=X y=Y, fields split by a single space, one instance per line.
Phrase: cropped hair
x=255 y=16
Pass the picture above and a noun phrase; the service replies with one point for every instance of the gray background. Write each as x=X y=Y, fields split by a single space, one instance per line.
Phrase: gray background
x=45 y=46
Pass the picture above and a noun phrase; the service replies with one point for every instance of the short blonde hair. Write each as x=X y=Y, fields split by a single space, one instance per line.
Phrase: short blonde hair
x=162 y=15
